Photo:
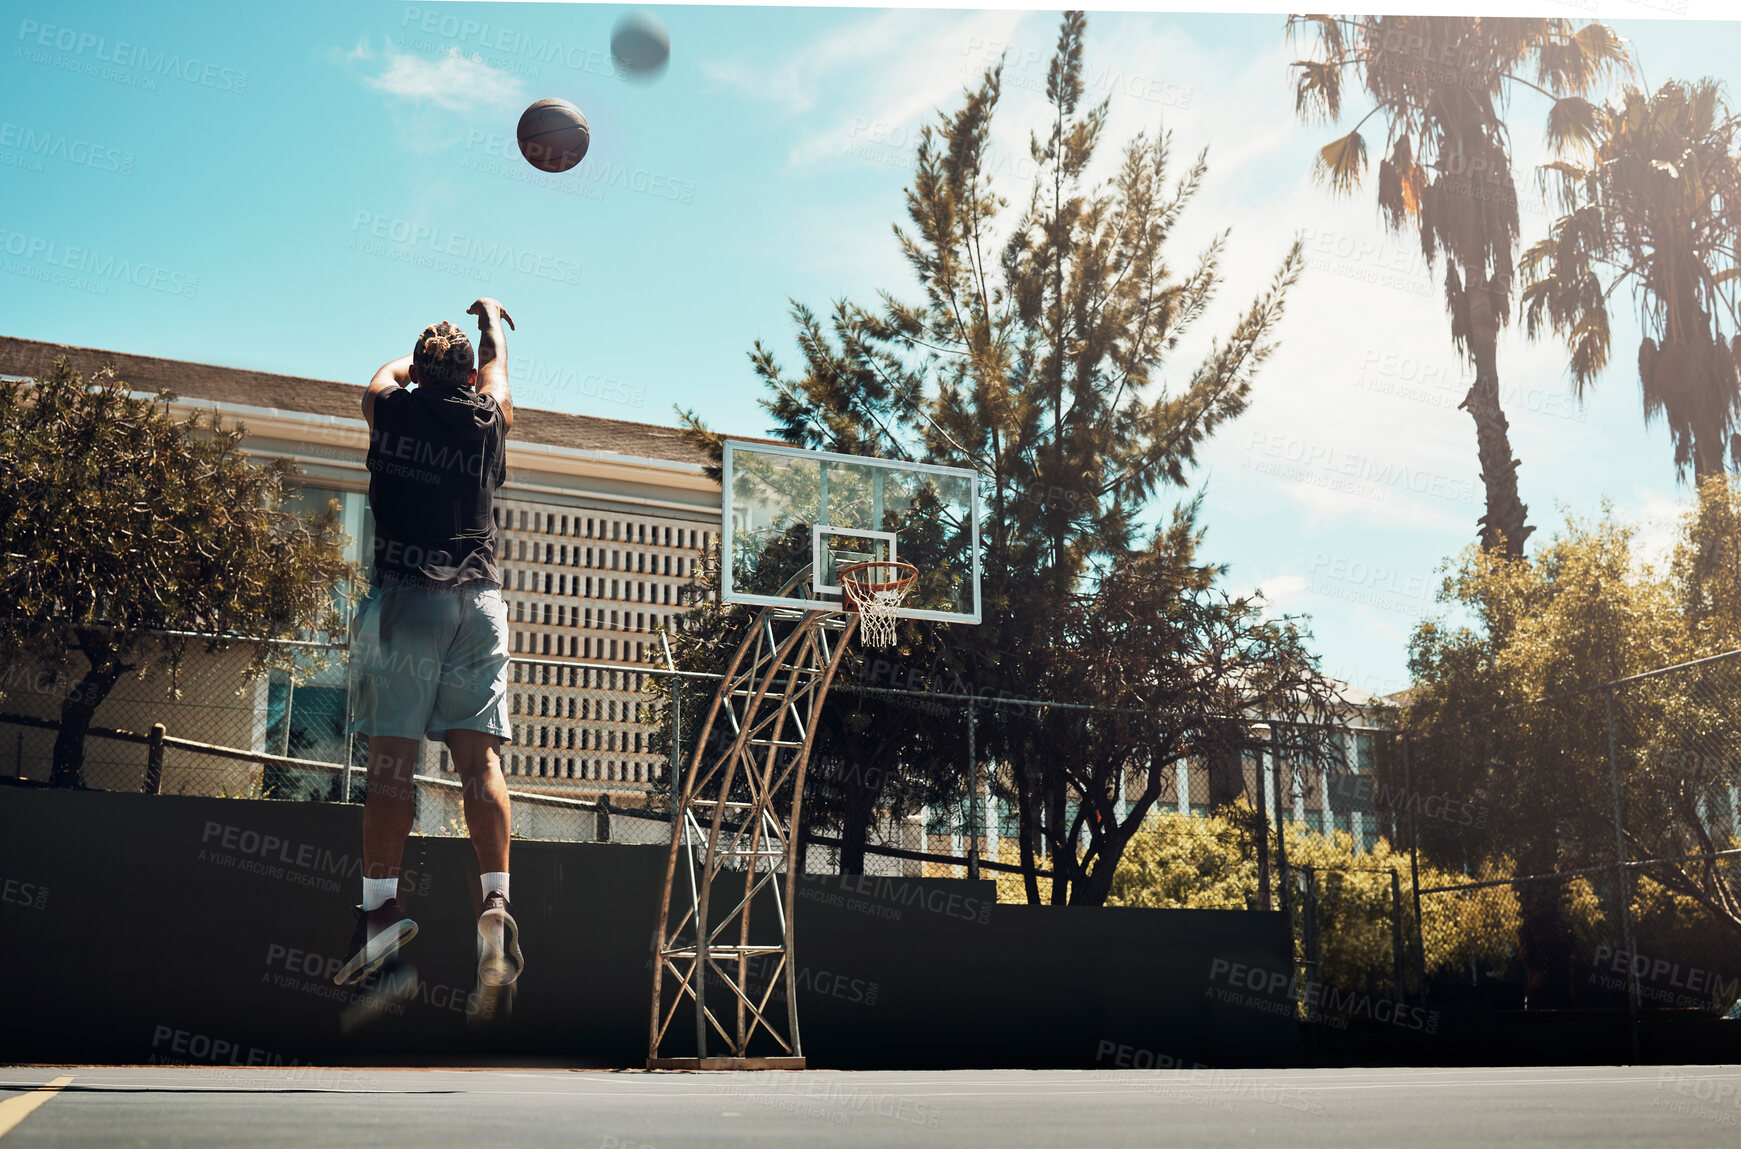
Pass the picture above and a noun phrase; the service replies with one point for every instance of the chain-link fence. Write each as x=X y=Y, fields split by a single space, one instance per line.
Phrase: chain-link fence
x=588 y=760
x=1572 y=852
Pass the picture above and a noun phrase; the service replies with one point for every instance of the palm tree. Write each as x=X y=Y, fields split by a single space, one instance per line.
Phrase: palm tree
x=1655 y=208
x=1441 y=83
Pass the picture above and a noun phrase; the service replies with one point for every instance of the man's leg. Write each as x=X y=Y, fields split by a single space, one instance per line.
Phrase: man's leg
x=382 y=926
x=391 y=804
x=477 y=757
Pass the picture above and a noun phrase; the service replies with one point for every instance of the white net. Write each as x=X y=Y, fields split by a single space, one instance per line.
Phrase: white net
x=877 y=598
x=876 y=616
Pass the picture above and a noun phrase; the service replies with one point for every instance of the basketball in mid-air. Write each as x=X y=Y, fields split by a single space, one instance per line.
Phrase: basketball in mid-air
x=640 y=46
x=553 y=135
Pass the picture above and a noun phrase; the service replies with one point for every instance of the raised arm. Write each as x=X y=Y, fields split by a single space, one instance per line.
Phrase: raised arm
x=493 y=355
x=391 y=375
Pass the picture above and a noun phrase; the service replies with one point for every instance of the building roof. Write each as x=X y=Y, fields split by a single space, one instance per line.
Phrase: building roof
x=30 y=358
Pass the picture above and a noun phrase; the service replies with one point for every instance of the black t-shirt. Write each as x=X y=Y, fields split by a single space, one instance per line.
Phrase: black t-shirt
x=436 y=457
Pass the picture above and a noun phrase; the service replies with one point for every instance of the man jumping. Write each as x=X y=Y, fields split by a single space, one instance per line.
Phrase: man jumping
x=429 y=647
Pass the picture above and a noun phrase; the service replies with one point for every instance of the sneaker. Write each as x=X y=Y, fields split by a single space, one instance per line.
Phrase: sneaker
x=378 y=936
x=499 y=961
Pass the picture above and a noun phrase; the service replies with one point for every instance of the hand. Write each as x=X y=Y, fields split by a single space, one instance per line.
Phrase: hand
x=487 y=307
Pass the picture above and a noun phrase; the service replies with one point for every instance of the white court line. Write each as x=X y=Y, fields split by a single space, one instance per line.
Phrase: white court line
x=708 y=1089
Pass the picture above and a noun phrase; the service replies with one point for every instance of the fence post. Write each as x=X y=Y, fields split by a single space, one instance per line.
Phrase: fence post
x=1396 y=933
x=1263 y=898
x=1283 y=881
x=972 y=799
x=154 y=760
x=603 y=818
x=675 y=767
x=1309 y=930
x=1622 y=883
x=1414 y=864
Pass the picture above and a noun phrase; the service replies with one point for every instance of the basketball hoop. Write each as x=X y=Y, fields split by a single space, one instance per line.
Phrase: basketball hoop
x=876 y=590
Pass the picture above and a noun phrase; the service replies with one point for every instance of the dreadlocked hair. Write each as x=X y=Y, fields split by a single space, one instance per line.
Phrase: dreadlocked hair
x=443 y=356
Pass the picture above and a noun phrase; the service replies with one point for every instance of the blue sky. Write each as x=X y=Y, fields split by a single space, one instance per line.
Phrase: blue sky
x=300 y=188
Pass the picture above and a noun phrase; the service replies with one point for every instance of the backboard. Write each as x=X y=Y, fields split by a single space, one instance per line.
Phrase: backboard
x=785 y=509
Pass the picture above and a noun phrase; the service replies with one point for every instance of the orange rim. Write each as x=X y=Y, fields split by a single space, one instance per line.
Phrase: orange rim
x=854 y=586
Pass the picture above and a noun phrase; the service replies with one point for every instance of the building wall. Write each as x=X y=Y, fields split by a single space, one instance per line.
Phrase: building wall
x=594 y=546
x=587 y=595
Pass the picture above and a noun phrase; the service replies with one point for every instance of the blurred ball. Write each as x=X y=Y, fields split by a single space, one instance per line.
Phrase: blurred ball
x=640 y=45
x=553 y=135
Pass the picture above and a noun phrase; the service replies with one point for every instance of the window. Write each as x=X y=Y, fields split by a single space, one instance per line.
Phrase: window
x=522 y=527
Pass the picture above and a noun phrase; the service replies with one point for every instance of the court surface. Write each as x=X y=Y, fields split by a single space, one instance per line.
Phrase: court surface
x=1346 y=1108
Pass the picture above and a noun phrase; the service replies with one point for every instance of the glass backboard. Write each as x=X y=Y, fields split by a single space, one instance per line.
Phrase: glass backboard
x=786 y=509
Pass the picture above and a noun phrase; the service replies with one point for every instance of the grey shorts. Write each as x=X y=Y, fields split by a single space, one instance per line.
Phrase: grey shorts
x=425 y=661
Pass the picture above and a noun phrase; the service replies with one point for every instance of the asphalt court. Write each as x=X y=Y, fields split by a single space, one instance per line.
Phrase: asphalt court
x=1418 y=1108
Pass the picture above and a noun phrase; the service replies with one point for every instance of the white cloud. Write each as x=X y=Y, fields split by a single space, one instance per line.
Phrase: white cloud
x=433 y=101
x=1656 y=519
x=454 y=81
x=1283 y=591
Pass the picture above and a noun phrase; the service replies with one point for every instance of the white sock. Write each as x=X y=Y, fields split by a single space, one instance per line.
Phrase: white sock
x=376 y=891
x=495 y=880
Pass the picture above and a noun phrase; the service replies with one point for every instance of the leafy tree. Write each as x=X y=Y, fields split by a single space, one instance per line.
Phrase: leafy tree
x=1653 y=209
x=1441 y=84
x=117 y=522
x=1180 y=861
x=1522 y=726
x=1035 y=357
